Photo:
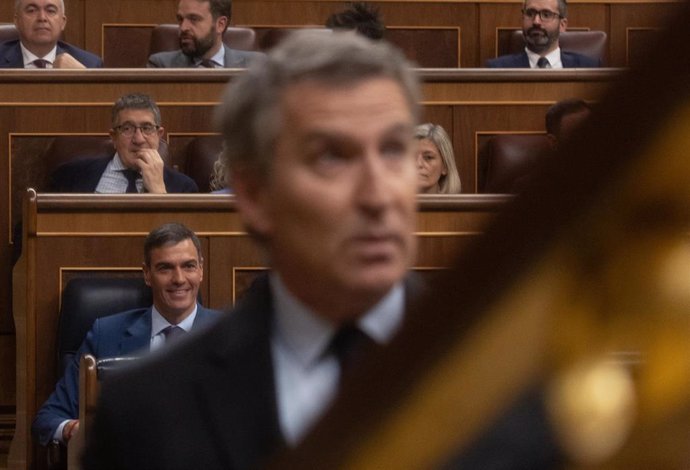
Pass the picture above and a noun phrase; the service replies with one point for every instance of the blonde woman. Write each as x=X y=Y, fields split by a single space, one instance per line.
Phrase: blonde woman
x=437 y=173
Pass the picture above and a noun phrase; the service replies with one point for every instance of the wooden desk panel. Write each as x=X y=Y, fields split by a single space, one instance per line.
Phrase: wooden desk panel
x=71 y=235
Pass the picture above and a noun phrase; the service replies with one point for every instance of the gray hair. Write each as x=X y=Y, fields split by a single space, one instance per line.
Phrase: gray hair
x=61 y=5
x=249 y=117
x=450 y=182
x=135 y=101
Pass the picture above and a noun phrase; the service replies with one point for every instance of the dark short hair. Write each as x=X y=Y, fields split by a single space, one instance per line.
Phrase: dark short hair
x=220 y=8
x=562 y=7
x=558 y=111
x=172 y=233
x=135 y=101
x=360 y=17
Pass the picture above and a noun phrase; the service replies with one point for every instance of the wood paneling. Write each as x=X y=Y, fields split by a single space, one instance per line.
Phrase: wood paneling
x=479 y=21
x=68 y=235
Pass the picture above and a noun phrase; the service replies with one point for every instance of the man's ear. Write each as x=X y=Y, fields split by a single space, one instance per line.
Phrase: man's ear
x=563 y=25
x=222 y=24
x=251 y=195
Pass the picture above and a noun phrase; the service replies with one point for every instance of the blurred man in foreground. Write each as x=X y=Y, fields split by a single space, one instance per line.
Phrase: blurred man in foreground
x=319 y=140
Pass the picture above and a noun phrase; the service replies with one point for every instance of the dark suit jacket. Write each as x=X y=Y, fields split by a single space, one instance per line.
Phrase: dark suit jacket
x=222 y=390
x=177 y=59
x=83 y=175
x=11 y=55
x=112 y=336
x=520 y=60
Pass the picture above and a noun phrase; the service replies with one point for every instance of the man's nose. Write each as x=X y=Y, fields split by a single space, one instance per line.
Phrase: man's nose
x=373 y=190
x=177 y=276
x=138 y=135
x=537 y=19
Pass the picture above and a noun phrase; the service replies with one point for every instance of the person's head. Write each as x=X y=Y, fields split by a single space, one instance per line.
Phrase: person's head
x=39 y=23
x=564 y=117
x=220 y=178
x=542 y=23
x=173 y=268
x=359 y=17
x=319 y=141
x=202 y=24
x=436 y=167
x=136 y=124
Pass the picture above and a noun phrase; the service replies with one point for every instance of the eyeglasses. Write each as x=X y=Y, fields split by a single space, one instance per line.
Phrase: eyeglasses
x=128 y=130
x=545 y=15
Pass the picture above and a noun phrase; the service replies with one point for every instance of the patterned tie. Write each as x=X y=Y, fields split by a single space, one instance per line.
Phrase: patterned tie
x=350 y=346
x=132 y=176
x=543 y=63
x=40 y=63
x=172 y=333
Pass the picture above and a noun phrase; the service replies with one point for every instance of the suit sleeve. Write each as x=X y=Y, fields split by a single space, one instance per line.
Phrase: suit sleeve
x=63 y=403
x=154 y=62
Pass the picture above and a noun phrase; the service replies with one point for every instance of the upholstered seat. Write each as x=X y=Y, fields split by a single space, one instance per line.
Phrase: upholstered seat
x=86 y=299
x=200 y=155
x=506 y=161
x=8 y=32
x=165 y=37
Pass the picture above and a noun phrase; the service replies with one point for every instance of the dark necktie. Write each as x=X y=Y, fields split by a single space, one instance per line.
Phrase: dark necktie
x=171 y=333
x=131 y=176
x=543 y=63
x=350 y=346
x=40 y=63
x=208 y=63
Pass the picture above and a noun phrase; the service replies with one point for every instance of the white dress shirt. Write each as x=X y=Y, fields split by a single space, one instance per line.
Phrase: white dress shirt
x=218 y=59
x=159 y=323
x=113 y=181
x=29 y=57
x=307 y=379
x=554 y=58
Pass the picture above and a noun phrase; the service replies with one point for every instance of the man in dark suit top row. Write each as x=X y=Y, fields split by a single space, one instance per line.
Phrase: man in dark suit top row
x=202 y=25
x=40 y=24
x=319 y=142
x=173 y=268
x=542 y=23
x=136 y=167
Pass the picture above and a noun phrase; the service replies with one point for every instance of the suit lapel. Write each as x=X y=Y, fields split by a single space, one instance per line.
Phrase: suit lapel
x=240 y=403
x=13 y=57
x=137 y=335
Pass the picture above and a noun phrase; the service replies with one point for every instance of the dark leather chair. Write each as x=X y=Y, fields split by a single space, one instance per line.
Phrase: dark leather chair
x=165 y=37
x=86 y=299
x=200 y=155
x=589 y=43
x=8 y=32
x=506 y=161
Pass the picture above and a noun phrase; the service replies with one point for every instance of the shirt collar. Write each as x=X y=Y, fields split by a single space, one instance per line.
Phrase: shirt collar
x=116 y=163
x=159 y=323
x=218 y=58
x=29 y=56
x=554 y=58
x=307 y=334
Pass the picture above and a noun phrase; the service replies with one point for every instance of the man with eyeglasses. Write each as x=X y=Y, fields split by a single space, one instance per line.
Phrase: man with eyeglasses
x=542 y=23
x=136 y=167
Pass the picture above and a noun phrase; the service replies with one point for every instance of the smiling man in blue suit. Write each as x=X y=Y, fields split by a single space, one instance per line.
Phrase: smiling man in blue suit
x=173 y=268
x=542 y=23
x=40 y=24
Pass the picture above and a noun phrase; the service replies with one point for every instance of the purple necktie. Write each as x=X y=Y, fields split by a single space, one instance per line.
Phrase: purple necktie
x=40 y=63
x=172 y=333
